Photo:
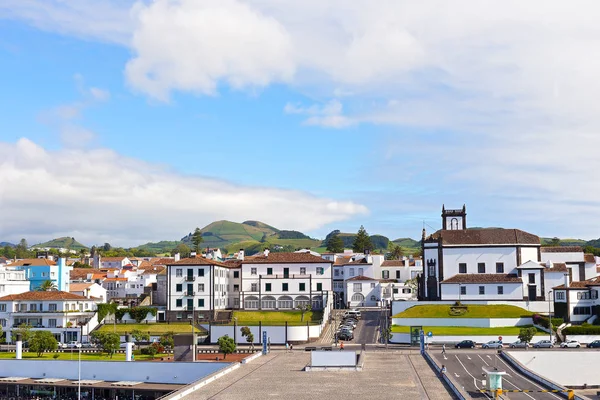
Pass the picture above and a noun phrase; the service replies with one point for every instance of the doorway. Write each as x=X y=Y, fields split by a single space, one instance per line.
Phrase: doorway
x=532 y=292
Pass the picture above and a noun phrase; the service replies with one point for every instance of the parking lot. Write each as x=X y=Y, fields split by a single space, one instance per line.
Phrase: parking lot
x=465 y=366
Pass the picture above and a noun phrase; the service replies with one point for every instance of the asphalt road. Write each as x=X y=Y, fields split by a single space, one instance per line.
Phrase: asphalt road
x=367 y=327
x=466 y=368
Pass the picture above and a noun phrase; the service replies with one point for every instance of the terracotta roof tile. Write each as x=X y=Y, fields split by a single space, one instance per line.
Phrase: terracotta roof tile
x=82 y=273
x=485 y=236
x=393 y=263
x=361 y=278
x=561 y=249
x=41 y=295
x=360 y=261
x=581 y=284
x=33 y=261
x=484 y=278
x=343 y=260
x=162 y=261
x=79 y=287
x=283 y=258
x=557 y=267
x=589 y=258
x=197 y=261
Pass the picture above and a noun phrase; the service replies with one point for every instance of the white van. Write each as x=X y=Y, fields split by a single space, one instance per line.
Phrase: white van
x=352 y=313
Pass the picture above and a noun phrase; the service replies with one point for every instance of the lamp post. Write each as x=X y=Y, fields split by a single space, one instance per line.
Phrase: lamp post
x=459 y=291
x=235 y=331
x=550 y=316
x=79 y=373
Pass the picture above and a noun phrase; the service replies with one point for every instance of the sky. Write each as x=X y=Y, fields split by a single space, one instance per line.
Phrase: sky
x=134 y=121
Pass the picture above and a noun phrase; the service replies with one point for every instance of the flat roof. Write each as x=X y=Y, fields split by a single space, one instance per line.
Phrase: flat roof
x=90 y=383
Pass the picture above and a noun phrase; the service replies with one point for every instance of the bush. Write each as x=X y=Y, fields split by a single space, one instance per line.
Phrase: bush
x=582 y=330
x=543 y=321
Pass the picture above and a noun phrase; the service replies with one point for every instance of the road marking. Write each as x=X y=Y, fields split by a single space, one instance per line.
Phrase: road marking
x=525 y=378
x=489 y=357
x=483 y=360
x=468 y=358
x=456 y=375
x=445 y=358
x=518 y=388
x=474 y=380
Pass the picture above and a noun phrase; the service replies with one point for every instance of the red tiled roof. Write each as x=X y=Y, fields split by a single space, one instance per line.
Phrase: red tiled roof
x=361 y=278
x=343 y=260
x=557 y=267
x=79 y=287
x=589 y=258
x=33 y=261
x=285 y=258
x=162 y=261
x=43 y=295
x=485 y=236
x=561 y=249
x=393 y=263
x=82 y=273
x=197 y=261
x=581 y=284
x=484 y=278
x=360 y=261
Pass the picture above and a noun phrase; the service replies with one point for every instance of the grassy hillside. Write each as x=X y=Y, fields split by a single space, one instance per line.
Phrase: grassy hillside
x=160 y=247
x=4 y=244
x=63 y=242
x=407 y=242
x=567 y=242
x=473 y=311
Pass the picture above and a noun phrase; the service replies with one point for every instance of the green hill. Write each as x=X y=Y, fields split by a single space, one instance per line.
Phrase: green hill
x=568 y=242
x=63 y=242
x=407 y=242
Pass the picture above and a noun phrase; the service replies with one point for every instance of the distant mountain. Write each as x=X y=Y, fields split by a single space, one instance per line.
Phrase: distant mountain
x=63 y=242
x=252 y=236
x=4 y=244
x=380 y=242
x=568 y=242
x=407 y=242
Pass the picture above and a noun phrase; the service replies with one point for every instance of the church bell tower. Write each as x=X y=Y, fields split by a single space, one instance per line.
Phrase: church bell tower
x=454 y=220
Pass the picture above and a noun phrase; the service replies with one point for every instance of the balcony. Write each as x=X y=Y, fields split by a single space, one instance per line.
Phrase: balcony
x=190 y=278
x=189 y=293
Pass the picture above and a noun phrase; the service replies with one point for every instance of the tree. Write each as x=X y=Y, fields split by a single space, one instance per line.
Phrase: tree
x=106 y=247
x=386 y=334
x=183 y=249
x=167 y=340
x=395 y=251
x=108 y=341
x=42 y=341
x=304 y=308
x=335 y=244
x=362 y=241
x=226 y=345
x=21 y=249
x=247 y=333
x=24 y=330
x=47 y=286
x=555 y=241
x=139 y=336
x=197 y=239
x=82 y=254
x=526 y=334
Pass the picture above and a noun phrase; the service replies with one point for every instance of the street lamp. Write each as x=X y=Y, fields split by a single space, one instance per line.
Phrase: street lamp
x=459 y=291
x=79 y=373
x=550 y=316
x=235 y=331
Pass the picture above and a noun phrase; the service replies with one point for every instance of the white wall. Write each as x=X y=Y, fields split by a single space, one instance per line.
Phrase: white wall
x=474 y=322
x=156 y=372
x=533 y=306
x=511 y=291
x=562 y=257
x=582 y=366
x=472 y=256
x=583 y=338
x=275 y=333
x=332 y=359
x=529 y=254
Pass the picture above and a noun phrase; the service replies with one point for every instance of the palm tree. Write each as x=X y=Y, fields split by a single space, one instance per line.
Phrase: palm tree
x=47 y=286
x=82 y=254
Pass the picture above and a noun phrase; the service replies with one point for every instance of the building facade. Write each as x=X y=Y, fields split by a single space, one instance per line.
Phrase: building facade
x=40 y=270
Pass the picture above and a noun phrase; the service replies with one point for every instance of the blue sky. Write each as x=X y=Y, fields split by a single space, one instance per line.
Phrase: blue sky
x=132 y=122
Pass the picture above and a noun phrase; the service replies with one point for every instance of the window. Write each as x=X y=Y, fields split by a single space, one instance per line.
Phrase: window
x=320 y=270
x=531 y=278
x=430 y=269
x=302 y=287
x=269 y=271
x=582 y=310
x=201 y=287
x=236 y=274
x=560 y=295
x=395 y=290
x=336 y=272
x=372 y=285
x=2 y=307
x=302 y=270
x=373 y=298
x=361 y=271
x=33 y=307
x=179 y=287
x=44 y=274
x=499 y=268
x=500 y=289
x=179 y=272
x=481 y=268
x=319 y=287
x=52 y=323
x=462 y=268
x=385 y=274
x=357 y=287
x=201 y=272
x=178 y=303
x=200 y=302
x=463 y=290
x=252 y=271
x=351 y=271
x=254 y=288
x=267 y=287
x=481 y=289
x=284 y=287
x=179 y=315
x=397 y=274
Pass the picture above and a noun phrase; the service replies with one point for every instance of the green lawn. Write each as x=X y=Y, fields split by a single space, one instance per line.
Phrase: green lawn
x=473 y=311
x=466 y=330
x=153 y=329
x=67 y=355
x=276 y=317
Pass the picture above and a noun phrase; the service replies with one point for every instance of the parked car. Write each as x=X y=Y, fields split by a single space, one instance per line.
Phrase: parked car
x=88 y=345
x=62 y=345
x=570 y=344
x=345 y=336
x=594 y=345
x=492 y=344
x=349 y=323
x=465 y=344
x=519 y=345
x=543 y=344
x=352 y=313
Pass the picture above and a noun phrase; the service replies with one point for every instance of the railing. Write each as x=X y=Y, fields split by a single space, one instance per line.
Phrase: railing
x=286 y=276
x=190 y=278
x=189 y=293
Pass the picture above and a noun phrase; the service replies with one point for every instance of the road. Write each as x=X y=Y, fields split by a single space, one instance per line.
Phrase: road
x=466 y=368
x=367 y=329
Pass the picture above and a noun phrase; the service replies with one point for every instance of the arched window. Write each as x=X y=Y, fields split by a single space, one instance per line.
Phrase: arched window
x=358 y=297
x=285 y=302
x=301 y=301
x=317 y=302
x=251 y=302
x=268 y=302
x=373 y=298
x=454 y=224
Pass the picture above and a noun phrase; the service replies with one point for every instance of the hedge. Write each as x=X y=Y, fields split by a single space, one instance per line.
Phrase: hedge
x=582 y=330
x=543 y=321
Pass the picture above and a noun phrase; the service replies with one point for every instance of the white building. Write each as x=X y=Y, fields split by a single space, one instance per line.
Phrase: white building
x=111 y=262
x=12 y=281
x=402 y=270
x=283 y=281
x=89 y=290
x=577 y=301
x=64 y=314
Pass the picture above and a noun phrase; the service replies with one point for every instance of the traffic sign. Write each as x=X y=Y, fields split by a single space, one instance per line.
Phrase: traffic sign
x=430 y=334
x=500 y=338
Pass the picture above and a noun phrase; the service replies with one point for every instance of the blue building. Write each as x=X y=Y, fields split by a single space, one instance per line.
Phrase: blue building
x=39 y=270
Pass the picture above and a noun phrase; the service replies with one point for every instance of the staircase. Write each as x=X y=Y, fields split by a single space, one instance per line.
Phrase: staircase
x=223 y=316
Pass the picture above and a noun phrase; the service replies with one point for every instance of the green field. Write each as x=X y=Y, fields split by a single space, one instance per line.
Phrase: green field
x=67 y=355
x=153 y=329
x=276 y=317
x=473 y=311
x=466 y=330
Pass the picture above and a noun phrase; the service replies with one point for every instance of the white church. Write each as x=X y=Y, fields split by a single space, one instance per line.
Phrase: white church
x=495 y=263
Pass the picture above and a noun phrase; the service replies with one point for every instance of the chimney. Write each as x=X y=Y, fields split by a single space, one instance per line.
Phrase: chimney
x=241 y=255
x=193 y=254
x=266 y=252
x=566 y=280
x=548 y=264
x=177 y=257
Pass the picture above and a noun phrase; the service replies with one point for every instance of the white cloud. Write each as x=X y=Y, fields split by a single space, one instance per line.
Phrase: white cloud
x=101 y=194
x=328 y=115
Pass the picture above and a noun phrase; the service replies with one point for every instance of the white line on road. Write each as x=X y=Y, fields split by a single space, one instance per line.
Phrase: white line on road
x=518 y=388
x=468 y=358
x=525 y=378
x=483 y=360
x=474 y=379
